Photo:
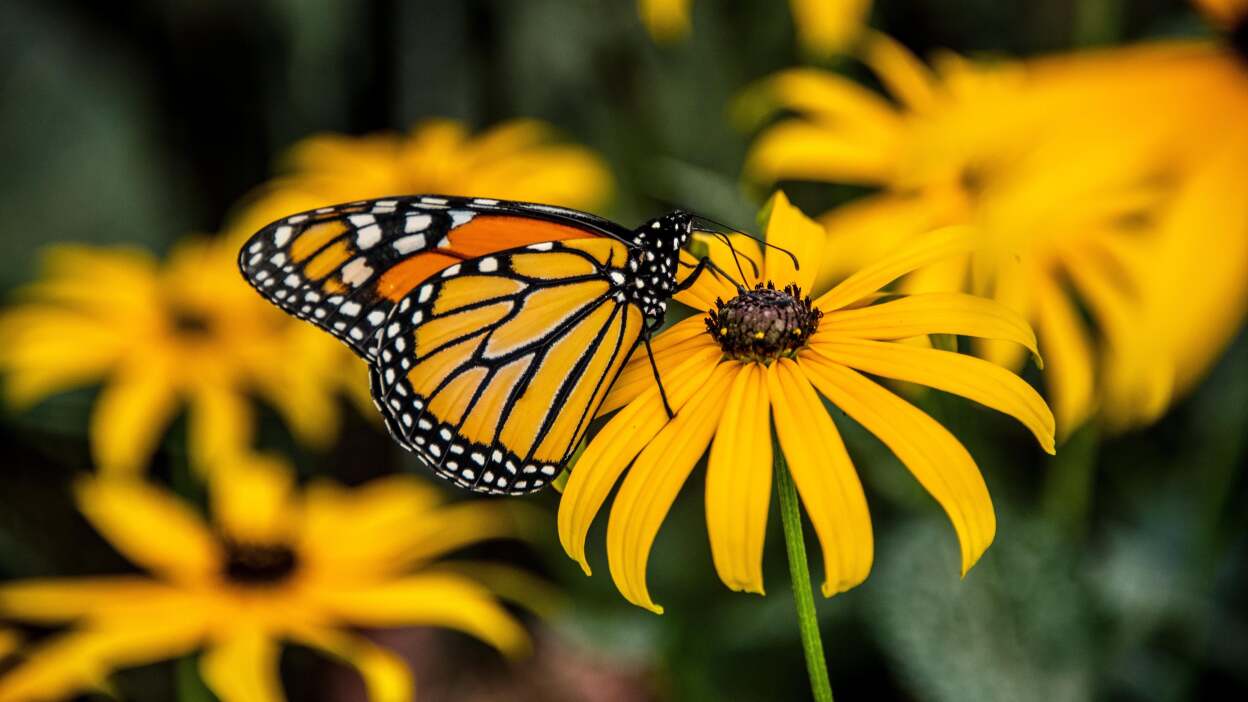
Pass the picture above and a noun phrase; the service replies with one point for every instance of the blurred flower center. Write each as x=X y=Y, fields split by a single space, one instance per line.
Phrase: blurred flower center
x=763 y=324
x=258 y=564
x=188 y=322
x=1239 y=38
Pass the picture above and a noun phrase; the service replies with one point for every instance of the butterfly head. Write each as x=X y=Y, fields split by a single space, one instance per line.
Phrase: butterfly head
x=653 y=263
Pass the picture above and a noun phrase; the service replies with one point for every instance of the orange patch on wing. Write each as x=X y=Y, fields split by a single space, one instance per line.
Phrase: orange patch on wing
x=485 y=234
x=403 y=277
x=333 y=286
x=327 y=260
x=467 y=289
x=310 y=240
x=452 y=401
x=482 y=422
x=538 y=397
x=438 y=331
x=543 y=310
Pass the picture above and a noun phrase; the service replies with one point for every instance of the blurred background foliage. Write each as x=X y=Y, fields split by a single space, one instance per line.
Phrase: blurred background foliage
x=1120 y=565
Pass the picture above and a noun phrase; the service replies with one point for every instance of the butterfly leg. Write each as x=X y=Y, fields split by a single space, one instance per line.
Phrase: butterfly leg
x=655 y=367
x=705 y=264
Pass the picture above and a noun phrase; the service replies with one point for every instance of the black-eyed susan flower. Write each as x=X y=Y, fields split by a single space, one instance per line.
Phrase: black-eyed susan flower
x=514 y=160
x=824 y=27
x=161 y=336
x=1067 y=168
x=765 y=358
x=275 y=565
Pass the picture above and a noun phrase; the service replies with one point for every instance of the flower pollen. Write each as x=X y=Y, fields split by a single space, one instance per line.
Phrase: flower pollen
x=763 y=324
x=258 y=564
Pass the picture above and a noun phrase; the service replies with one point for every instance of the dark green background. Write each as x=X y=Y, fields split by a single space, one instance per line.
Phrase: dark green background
x=1119 y=567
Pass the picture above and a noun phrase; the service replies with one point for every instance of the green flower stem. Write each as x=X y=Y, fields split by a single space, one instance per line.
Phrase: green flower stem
x=799 y=572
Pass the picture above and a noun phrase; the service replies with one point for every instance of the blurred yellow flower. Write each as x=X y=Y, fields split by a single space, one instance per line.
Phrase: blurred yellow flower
x=760 y=362
x=188 y=332
x=824 y=27
x=9 y=642
x=1060 y=166
x=274 y=566
x=514 y=160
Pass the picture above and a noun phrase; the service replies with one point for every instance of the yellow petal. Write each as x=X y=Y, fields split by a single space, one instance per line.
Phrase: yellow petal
x=251 y=499
x=939 y=462
x=970 y=377
x=386 y=676
x=788 y=229
x=10 y=641
x=738 y=482
x=617 y=443
x=833 y=101
x=1137 y=375
x=243 y=668
x=53 y=601
x=513 y=585
x=151 y=528
x=931 y=313
x=825 y=27
x=651 y=485
x=922 y=251
x=83 y=659
x=794 y=149
x=442 y=600
x=671 y=347
x=868 y=229
x=666 y=20
x=1065 y=343
x=824 y=476
x=902 y=72
x=358 y=552
x=49 y=350
x=131 y=415
x=220 y=425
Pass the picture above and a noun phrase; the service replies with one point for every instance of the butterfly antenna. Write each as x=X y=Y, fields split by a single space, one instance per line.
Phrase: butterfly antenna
x=719 y=228
x=655 y=367
x=736 y=256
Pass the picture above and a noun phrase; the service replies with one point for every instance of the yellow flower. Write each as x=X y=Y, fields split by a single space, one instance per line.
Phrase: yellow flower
x=760 y=362
x=185 y=332
x=1068 y=169
x=9 y=643
x=514 y=160
x=274 y=566
x=824 y=27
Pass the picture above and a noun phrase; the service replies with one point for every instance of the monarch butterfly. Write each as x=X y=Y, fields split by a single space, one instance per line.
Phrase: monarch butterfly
x=493 y=329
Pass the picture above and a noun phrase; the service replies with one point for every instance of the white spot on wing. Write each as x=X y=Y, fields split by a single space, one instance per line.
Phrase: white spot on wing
x=410 y=243
x=368 y=236
x=489 y=264
x=281 y=235
x=356 y=272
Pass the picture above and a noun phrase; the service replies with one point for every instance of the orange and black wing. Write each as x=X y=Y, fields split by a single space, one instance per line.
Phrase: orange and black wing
x=344 y=268
x=492 y=370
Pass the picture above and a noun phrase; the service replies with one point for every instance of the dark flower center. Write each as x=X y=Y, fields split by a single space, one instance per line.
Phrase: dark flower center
x=763 y=324
x=191 y=323
x=1239 y=38
x=258 y=564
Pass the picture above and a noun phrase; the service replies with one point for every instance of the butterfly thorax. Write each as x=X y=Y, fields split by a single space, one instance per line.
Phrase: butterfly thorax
x=652 y=264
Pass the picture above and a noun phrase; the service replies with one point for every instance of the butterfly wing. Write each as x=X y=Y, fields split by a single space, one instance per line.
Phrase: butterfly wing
x=492 y=370
x=344 y=268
